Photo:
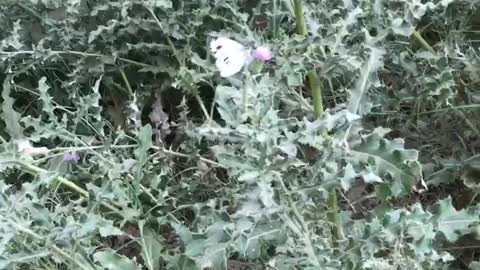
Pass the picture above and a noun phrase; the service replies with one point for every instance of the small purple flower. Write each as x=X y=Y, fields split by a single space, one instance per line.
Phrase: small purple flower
x=262 y=54
x=72 y=156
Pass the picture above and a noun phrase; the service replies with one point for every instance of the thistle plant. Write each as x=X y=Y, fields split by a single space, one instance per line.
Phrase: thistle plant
x=238 y=134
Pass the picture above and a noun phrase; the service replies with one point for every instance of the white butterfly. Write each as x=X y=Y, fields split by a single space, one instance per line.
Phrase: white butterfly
x=230 y=56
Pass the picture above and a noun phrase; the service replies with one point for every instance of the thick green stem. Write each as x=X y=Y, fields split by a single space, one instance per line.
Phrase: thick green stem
x=300 y=18
x=315 y=84
x=422 y=41
x=274 y=21
x=333 y=217
x=316 y=88
x=316 y=93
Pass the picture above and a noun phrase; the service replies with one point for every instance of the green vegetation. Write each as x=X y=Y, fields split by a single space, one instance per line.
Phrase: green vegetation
x=356 y=147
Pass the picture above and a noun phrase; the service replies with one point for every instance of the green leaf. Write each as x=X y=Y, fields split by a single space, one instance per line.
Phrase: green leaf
x=228 y=99
x=235 y=162
x=144 y=143
x=475 y=265
x=106 y=228
x=46 y=99
x=89 y=108
x=400 y=27
x=151 y=246
x=181 y=262
x=208 y=249
x=388 y=159
x=8 y=158
x=9 y=115
x=15 y=39
x=349 y=176
x=421 y=230
x=166 y=4
x=113 y=261
x=358 y=102
x=471 y=175
x=250 y=242
x=452 y=223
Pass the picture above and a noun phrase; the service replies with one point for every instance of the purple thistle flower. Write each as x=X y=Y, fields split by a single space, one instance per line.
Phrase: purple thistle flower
x=72 y=156
x=262 y=54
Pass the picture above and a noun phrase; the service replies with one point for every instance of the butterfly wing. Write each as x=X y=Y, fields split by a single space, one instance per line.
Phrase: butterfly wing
x=222 y=43
x=230 y=56
x=230 y=63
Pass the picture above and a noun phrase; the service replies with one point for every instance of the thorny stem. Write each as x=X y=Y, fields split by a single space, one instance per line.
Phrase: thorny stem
x=469 y=123
x=202 y=105
x=316 y=92
x=166 y=151
x=177 y=154
x=37 y=170
x=332 y=215
x=54 y=247
x=462 y=107
x=31 y=11
x=422 y=41
x=62 y=180
x=301 y=221
x=169 y=41
x=427 y=46
x=316 y=88
x=127 y=83
x=127 y=146
x=179 y=60
x=84 y=54
x=67 y=183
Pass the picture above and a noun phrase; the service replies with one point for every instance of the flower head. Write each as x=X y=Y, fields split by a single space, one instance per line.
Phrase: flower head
x=262 y=54
x=72 y=156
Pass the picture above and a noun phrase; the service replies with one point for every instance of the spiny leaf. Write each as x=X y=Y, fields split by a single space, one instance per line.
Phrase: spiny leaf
x=144 y=143
x=9 y=115
x=14 y=40
x=46 y=99
x=389 y=159
x=421 y=230
x=113 y=261
x=475 y=265
x=452 y=223
x=151 y=247
x=181 y=262
x=358 y=102
x=141 y=153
